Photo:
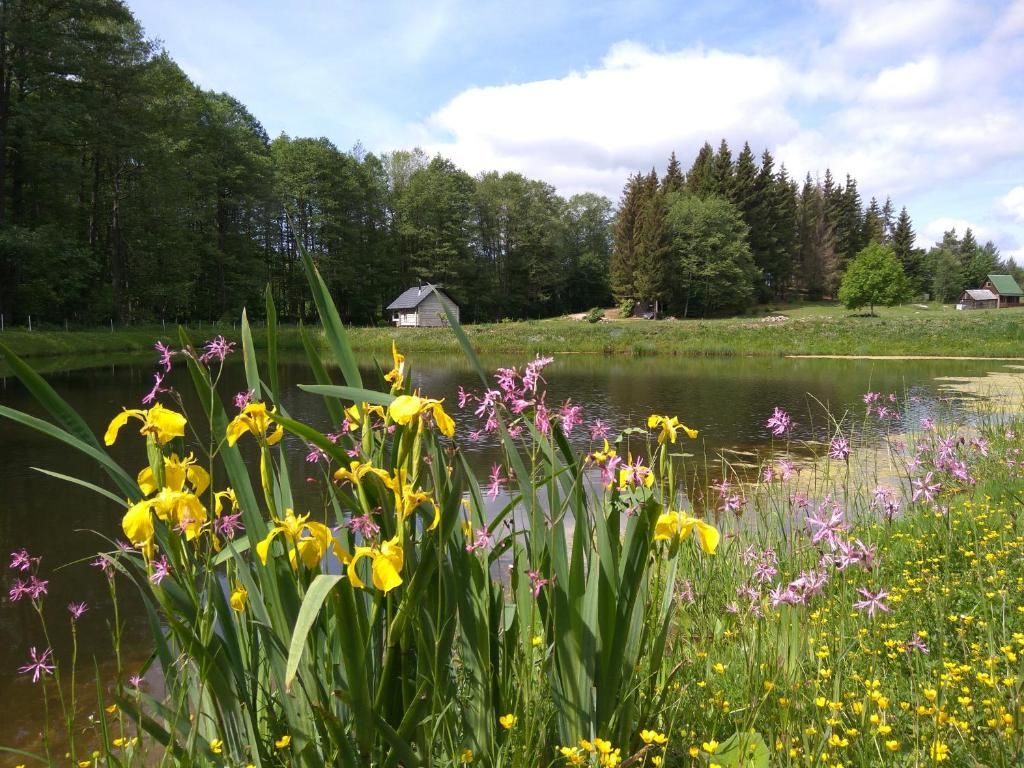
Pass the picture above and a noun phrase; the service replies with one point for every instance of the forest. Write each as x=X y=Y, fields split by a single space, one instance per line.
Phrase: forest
x=130 y=195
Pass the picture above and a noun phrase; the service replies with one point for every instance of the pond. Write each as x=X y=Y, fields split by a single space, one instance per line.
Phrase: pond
x=727 y=399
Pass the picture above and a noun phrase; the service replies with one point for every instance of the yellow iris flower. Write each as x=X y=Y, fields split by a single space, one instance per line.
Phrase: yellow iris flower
x=307 y=540
x=239 y=596
x=386 y=565
x=176 y=472
x=358 y=470
x=408 y=498
x=179 y=509
x=672 y=524
x=669 y=428
x=162 y=423
x=254 y=420
x=405 y=408
x=396 y=376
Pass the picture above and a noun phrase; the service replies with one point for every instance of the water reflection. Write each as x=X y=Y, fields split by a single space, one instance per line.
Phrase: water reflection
x=727 y=399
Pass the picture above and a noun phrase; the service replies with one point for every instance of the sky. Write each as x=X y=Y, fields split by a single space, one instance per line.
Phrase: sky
x=922 y=101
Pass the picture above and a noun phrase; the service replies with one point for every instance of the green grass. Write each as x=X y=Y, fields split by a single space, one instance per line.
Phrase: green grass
x=811 y=329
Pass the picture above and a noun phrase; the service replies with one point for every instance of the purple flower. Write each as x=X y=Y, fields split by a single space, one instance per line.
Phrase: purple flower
x=243 y=398
x=886 y=501
x=686 y=592
x=21 y=560
x=927 y=424
x=570 y=415
x=786 y=469
x=161 y=569
x=917 y=642
x=768 y=473
x=826 y=525
x=925 y=487
x=496 y=480
x=872 y=602
x=40 y=664
x=216 y=349
x=104 y=565
x=135 y=681
x=17 y=591
x=228 y=525
x=839 y=449
x=364 y=526
x=166 y=353
x=482 y=541
x=158 y=380
x=36 y=587
x=608 y=470
x=77 y=609
x=464 y=397
x=636 y=473
x=779 y=423
x=598 y=430
x=537 y=583
x=531 y=376
x=870 y=397
x=316 y=454
x=765 y=571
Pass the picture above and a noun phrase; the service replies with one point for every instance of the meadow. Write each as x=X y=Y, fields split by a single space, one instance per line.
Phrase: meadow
x=861 y=607
x=807 y=329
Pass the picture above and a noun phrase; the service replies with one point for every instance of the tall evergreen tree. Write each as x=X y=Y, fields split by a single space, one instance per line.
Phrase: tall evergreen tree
x=903 y=246
x=623 y=261
x=700 y=178
x=673 y=181
x=874 y=224
x=723 y=172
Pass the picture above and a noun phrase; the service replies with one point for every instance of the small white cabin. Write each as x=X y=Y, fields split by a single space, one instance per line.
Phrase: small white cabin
x=422 y=307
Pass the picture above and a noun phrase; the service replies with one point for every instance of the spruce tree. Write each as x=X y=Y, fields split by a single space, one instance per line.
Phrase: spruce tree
x=874 y=223
x=723 y=172
x=903 y=246
x=699 y=180
x=673 y=180
x=786 y=230
x=650 y=281
x=623 y=261
x=887 y=219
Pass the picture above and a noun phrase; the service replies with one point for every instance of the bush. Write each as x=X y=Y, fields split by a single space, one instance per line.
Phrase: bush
x=595 y=315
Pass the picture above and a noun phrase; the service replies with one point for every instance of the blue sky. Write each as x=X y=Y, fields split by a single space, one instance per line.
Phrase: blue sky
x=923 y=100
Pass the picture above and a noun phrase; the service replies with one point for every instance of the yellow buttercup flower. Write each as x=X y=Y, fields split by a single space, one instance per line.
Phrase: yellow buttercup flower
x=239 y=596
x=176 y=473
x=386 y=565
x=508 y=722
x=283 y=742
x=396 y=376
x=405 y=408
x=216 y=746
x=653 y=737
x=162 y=423
x=255 y=420
x=306 y=540
x=466 y=757
x=669 y=428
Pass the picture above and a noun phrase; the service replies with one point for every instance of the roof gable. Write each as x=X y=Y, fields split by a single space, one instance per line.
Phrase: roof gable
x=413 y=297
x=980 y=294
x=1005 y=285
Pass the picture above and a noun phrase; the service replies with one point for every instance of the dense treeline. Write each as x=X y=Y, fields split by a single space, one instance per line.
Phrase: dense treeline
x=729 y=232
x=128 y=193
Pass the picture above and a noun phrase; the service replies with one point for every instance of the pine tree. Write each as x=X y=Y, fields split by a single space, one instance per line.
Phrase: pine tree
x=819 y=269
x=673 y=180
x=786 y=229
x=763 y=237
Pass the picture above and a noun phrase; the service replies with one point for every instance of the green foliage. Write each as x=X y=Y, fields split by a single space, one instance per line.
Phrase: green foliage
x=595 y=315
x=874 y=277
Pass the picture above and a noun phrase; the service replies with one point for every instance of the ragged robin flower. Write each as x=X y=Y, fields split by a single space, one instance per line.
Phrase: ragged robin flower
x=162 y=423
x=304 y=539
x=255 y=420
x=669 y=428
x=405 y=408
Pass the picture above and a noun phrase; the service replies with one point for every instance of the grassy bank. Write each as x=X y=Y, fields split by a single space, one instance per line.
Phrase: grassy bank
x=806 y=329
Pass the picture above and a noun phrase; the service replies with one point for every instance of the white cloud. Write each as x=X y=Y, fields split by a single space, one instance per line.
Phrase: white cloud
x=912 y=82
x=1012 y=204
x=874 y=25
x=629 y=113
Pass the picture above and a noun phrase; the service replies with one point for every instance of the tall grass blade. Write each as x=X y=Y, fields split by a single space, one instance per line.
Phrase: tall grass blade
x=337 y=340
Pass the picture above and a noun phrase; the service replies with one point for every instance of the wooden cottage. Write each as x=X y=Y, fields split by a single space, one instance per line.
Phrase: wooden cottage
x=422 y=307
x=978 y=298
x=1006 y=290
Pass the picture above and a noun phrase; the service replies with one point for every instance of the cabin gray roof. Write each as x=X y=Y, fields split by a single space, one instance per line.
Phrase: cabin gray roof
x=980 y=294
x=413 y=297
